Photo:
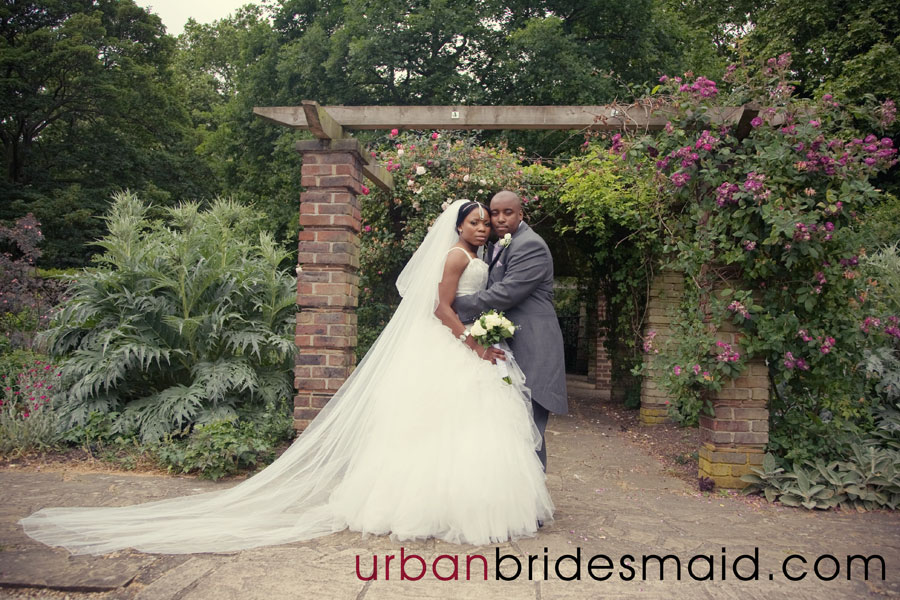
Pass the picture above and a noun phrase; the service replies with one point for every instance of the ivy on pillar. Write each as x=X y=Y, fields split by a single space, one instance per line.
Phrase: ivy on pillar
x=327 y=278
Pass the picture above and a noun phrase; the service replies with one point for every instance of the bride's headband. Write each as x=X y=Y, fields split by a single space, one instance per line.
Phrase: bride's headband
x=468 y=207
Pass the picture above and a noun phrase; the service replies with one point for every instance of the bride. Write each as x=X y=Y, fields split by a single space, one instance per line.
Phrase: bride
x=424 y=439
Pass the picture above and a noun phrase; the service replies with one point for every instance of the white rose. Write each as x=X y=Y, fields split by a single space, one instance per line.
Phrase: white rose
x=410 y=183
x=466 y=178
x=492 y=321
x=445 y=206
x=399 y=152
x=420 y=170
x=483 y=182
x=477 y=329
x=511 y=329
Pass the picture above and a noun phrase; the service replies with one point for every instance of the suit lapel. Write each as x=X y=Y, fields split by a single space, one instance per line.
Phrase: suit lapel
x=523 y=226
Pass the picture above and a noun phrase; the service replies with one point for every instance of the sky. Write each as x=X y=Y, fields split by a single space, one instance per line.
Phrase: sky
x=175 y=13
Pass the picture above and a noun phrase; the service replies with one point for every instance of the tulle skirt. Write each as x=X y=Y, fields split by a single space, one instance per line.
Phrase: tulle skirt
x=423 y=440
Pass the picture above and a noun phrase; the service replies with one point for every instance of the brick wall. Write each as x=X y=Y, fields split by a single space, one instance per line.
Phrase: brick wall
x=734 y=439
x=665 y=293
x=602 y=364
x=328 y=279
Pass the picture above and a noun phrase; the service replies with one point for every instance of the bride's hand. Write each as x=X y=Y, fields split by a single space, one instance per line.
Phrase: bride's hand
x=492 y=355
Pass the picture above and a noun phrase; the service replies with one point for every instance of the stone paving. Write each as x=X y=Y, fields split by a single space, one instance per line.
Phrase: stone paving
x=612 y=499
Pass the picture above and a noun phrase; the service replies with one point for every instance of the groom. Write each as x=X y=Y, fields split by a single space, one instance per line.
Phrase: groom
x=521 y=284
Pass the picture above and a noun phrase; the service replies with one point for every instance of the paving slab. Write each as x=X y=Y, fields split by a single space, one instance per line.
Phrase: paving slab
x=59 y=570
x=614 y=503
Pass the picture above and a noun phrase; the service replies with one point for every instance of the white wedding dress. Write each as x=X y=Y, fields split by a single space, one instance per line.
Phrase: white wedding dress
x=423 y=440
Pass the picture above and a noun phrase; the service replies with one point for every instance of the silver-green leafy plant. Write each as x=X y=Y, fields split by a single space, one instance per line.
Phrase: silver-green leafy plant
x=182 y=321
x=869 y=478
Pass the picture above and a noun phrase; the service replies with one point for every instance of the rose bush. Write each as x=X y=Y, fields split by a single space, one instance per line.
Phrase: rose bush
x=770 y=203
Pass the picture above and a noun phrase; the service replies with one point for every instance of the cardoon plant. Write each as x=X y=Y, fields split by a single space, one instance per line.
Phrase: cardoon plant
x=182 y=321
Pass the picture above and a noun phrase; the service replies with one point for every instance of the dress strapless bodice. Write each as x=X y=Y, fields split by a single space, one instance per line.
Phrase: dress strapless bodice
x=473 y=278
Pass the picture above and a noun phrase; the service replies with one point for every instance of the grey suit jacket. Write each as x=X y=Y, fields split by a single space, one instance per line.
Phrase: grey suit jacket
x=521 y=285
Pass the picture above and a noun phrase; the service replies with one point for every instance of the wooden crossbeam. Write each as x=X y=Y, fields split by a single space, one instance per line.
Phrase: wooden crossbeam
x=331 y=122
x=378 y=175
x=320 y=123
x=744 y=121
x=597 y=118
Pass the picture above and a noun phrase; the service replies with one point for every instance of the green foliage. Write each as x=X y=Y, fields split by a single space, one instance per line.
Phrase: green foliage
x=26 y=296
x=612 y=212
x=89 y=106
x=97 y=430
x=227 y=67
x=846 y=48
x=884 y=223
x=881 y=361
x=181 y=322
x=222 y=448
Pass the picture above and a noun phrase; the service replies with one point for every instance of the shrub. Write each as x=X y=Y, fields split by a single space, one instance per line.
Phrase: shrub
x=182 y=322
x=223 y=448
x=774 y=205
x=866 y=478
x=28 y=421
x=26 y=298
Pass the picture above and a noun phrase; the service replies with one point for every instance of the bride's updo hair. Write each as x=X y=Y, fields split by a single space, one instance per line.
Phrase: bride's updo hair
x=465 y=209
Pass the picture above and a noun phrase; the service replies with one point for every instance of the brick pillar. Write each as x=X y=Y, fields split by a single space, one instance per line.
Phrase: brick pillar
x=734 y=439
x=328 y=283
x=602 y=363
x=665 y=293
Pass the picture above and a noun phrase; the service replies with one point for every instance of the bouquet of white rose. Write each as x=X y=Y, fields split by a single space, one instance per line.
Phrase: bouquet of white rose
x=490 y=329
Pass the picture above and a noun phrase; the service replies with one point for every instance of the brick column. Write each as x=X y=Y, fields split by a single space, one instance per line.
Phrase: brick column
x=327 y=282
x=602 y=364
x=734 y=439
x=666 y=290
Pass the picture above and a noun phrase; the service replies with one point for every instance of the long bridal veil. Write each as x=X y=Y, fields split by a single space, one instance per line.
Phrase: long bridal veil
x=288 y=500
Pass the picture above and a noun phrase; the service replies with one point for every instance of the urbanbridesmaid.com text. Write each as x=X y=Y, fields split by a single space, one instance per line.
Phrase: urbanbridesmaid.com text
x=600 y=567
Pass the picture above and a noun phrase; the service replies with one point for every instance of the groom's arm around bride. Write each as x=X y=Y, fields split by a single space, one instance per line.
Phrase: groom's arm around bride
x=521 y=284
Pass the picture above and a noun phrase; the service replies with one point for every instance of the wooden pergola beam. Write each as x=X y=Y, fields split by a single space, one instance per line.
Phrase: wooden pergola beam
x=745 y=121
x=596 y=118
x=378 y=175
x=320 y=123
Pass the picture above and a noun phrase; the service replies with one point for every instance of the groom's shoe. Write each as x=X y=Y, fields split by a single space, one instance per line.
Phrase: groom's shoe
x=540 y=523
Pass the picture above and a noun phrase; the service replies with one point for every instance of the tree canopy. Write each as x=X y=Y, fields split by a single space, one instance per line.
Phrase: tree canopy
x=97 y=97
